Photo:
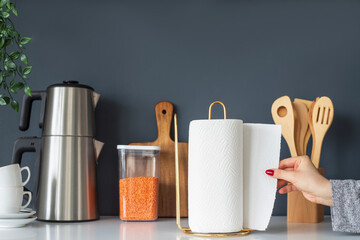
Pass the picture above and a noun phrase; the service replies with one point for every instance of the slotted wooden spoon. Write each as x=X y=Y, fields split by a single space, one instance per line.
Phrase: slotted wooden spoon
x=283 y=114
x=321 y=115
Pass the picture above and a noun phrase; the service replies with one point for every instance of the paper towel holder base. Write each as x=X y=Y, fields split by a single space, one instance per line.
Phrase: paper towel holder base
x=187 y=230
x=243 y=232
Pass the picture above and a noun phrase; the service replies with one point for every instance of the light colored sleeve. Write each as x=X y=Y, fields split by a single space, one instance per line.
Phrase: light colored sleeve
x=345 y=213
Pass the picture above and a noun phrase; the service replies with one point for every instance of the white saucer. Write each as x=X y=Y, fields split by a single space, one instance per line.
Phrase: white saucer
x=25 y=213
x=14 y=223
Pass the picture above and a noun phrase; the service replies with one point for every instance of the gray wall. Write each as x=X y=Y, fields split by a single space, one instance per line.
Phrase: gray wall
x=245 y=53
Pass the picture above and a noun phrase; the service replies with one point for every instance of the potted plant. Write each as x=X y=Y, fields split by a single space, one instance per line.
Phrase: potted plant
x=14 y=66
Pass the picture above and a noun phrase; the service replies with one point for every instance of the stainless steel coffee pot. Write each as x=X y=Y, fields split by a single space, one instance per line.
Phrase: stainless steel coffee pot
x=67 y=151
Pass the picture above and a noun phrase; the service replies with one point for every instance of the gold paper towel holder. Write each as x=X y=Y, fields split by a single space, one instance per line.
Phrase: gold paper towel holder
x=187 y=230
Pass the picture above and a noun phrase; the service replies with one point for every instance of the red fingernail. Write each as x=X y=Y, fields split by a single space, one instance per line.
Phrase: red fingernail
x=270 y=172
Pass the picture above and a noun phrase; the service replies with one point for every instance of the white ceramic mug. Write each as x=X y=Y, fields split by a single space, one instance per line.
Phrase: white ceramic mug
x=11 y=199
x=10 y=176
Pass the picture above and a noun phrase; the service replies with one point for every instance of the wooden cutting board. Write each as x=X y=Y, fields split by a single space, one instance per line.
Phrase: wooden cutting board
x=164 y=112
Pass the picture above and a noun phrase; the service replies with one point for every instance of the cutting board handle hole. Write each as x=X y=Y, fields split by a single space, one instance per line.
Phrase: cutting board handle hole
x=164 y=111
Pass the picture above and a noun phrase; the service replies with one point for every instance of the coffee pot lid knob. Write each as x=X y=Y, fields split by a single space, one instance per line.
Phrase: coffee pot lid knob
x=71 y=83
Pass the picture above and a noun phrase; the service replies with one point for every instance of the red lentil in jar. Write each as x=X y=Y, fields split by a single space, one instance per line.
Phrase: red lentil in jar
x=139 y=198
x=139 y=168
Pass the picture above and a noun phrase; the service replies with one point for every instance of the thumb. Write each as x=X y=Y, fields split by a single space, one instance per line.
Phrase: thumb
x=288 y=176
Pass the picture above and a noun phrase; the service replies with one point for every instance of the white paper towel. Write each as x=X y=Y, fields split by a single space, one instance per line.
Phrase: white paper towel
x=261 y=152
x=227 y=185
x=215 y=191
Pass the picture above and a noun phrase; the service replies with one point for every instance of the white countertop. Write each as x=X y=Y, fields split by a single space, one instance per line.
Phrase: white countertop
x=164 y=228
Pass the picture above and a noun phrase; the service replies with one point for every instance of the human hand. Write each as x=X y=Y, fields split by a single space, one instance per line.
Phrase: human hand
x=299 y=174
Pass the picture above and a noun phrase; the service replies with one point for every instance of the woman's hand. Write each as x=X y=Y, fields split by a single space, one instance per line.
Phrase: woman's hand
x=300 y=174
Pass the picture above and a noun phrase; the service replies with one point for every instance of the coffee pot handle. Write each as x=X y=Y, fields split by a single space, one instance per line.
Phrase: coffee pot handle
x=26 y=109
x=27 y=144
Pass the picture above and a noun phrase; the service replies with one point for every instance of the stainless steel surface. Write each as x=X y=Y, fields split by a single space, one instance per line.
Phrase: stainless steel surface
x=70 y=111
x=67 y=152
x=165 y=229
x=67 y=184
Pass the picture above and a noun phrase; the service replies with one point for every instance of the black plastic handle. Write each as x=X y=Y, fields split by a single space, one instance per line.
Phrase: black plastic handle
x=26 y=109
x=28 y=144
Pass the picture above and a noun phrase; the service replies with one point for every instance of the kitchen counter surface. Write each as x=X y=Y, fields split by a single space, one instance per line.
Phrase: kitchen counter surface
x=164 y=228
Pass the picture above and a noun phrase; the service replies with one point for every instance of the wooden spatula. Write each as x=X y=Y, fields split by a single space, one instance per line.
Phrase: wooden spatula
x=311 y=126
x=308 y=132
x=321 y=115
x=296 y=131
x=167 y=198
x=283 y=114
x=302 y=119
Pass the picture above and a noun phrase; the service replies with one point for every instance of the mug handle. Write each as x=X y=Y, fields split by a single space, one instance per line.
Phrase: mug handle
x=29 y=199
x=28 y=177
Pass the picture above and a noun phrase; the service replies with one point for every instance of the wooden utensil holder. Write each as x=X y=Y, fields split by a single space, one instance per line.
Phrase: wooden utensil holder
x=300 y=210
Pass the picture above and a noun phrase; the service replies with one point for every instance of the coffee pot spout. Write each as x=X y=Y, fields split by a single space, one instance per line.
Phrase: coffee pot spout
x=96 y=97
x=98 y=147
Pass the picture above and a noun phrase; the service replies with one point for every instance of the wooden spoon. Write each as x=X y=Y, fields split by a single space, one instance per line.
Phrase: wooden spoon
x=302 y=119
x=283 y=114
x=321 y=116
x=308 y=132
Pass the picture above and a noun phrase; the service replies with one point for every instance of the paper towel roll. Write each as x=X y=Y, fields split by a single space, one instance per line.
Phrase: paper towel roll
x=215 y=179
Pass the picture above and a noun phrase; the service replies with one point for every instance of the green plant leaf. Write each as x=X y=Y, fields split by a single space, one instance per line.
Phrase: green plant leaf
x=7 y=100
x=15 y=105
x=5 y=14
x=13 y=8
x=14 y=55
x=25 y=40
x=2 y=101
x=11 y=65
x=27 y=70
x=17 y=86
x=13 y=32
x=11 y=53
x=7 y=73
x=14 y=11
x=2 y=3
x=27 y=90
x=24 y=59
x=8 y=42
